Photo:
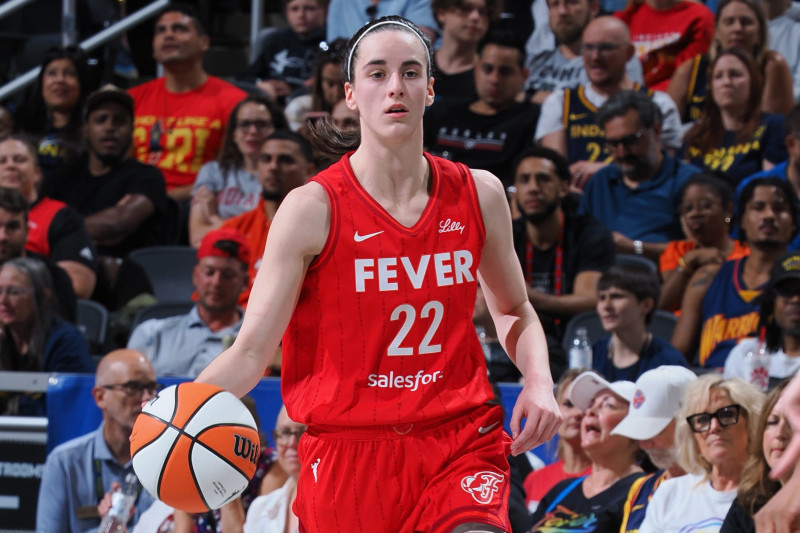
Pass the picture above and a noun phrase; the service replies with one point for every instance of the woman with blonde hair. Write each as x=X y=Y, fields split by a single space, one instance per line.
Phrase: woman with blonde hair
x=756 y=487
x=712 y=447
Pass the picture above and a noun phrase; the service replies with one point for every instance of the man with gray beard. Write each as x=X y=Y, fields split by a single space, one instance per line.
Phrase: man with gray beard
x=651 y=420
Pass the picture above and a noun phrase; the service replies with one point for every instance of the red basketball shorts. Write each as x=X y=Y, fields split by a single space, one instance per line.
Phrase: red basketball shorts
x=429 y=477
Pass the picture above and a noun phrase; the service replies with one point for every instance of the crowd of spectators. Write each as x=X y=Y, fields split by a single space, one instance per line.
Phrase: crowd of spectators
x=651 y=157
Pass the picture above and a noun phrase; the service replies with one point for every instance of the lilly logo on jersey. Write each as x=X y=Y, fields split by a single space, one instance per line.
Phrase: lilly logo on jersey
x=446 y=226
x=245 y=448
x=482 y=485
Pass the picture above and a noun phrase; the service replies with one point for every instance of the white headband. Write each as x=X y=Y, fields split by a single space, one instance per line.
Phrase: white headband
x=384 y=23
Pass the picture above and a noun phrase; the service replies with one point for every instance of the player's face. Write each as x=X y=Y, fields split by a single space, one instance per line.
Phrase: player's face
x=253 y=125
x=568 y=19
x=539 y=189
x=60 y=86
x=467 y=22
x=730 y=82
x=661 y=448
x=390 y=86
x=635 y=148
x=720 y=445
x=767 y=220
x=176 y=39
x=304 y=16
x=605 y=53
x=777 y=433
x=332 y=83
x=218 y=281
x=13 y=235
x=286 y=440
x=282 y=168
x=619 y=309
x=499 y=76
x=703 y=215
x=17 y=307
x=570 y=429
x=18 y=167
x=737 y=25
x=108 y=131
x=604 y=413
x=787 y=307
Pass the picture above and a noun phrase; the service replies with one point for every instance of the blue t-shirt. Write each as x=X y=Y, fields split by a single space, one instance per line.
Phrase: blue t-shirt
x=743 y=158
x=657 y=352
x=649 y=212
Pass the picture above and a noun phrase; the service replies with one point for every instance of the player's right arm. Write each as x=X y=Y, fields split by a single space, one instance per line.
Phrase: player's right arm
x=296 y=236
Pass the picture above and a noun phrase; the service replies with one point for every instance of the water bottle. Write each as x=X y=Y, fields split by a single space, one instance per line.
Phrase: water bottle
x=756 y=364
x=121 y=502
x=580 y=355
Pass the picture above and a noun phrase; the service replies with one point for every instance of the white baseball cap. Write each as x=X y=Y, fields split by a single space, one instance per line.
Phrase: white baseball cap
x=658 y=398
x=586 y=386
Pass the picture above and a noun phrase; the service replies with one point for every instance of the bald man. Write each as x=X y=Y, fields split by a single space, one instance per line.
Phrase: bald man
x=568 y=121
x=78 y=473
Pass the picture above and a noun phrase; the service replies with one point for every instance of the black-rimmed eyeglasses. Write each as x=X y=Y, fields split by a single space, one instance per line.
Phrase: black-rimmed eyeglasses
x=726 y=416
x=135 y=388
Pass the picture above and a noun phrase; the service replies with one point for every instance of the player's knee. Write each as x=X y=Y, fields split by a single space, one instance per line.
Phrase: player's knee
x=474 y=527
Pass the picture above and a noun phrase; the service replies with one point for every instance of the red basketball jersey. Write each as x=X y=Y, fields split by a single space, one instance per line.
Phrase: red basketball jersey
x=382 y=332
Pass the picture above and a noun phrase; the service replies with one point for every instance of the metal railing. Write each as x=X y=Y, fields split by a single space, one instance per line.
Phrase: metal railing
x=68 y=32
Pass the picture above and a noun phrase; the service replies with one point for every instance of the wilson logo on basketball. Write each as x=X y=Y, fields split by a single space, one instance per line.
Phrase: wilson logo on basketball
x=482 y=486
x=245 y=448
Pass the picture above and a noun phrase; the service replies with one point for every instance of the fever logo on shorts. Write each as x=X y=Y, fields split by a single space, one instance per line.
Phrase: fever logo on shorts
x=482 y=486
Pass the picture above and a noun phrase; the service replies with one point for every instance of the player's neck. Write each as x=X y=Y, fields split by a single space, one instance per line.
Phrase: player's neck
x=455 y=56
x=544 y=234
x=395 y=173
x=118 y=441
x=184 y=77
x=219 y=320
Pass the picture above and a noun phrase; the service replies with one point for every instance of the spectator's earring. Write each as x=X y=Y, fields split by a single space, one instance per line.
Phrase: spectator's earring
x=727 y=220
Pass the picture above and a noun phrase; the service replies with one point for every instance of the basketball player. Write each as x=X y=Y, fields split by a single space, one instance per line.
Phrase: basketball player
x=373 y=266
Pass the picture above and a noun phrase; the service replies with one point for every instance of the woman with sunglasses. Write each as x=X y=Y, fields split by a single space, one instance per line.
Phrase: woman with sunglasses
x=756 y=487
x=33 y=338
x=720 y=422
x=229 y=186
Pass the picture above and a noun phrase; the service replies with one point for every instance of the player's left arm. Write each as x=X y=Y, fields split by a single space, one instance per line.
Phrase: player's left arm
x=518 y=327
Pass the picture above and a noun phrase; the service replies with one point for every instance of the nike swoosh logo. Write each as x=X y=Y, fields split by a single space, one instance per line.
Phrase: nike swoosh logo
x=360 y=238
x=573 y=116
x=484 y=430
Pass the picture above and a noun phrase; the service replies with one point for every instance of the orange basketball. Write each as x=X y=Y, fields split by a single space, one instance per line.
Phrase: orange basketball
x=195 y=447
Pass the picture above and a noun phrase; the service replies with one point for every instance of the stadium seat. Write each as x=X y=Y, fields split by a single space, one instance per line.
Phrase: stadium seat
x=169 y=269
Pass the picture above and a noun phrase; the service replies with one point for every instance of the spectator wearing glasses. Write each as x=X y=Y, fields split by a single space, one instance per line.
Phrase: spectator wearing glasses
x=272 y=512
x=717 y=423
x=637 y=196
x=33 y=338
x=229 y=185
x=79 y=473
x=780 y=317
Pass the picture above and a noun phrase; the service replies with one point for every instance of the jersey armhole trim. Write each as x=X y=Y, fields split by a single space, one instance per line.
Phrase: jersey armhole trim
x=333 y=228
x=469 y=181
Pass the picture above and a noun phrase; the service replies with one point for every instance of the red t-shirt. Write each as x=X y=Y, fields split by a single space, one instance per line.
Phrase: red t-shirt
x=179 y=132
x=254 y=225
x=382 y=332
x=666 y=38
x=539 y=482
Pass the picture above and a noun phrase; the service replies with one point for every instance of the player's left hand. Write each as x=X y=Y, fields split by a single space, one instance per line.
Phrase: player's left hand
x=538 y=405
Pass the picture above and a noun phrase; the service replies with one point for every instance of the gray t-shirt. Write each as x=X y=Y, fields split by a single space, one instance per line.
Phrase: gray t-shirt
x=237 y=191
x=551 y=70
